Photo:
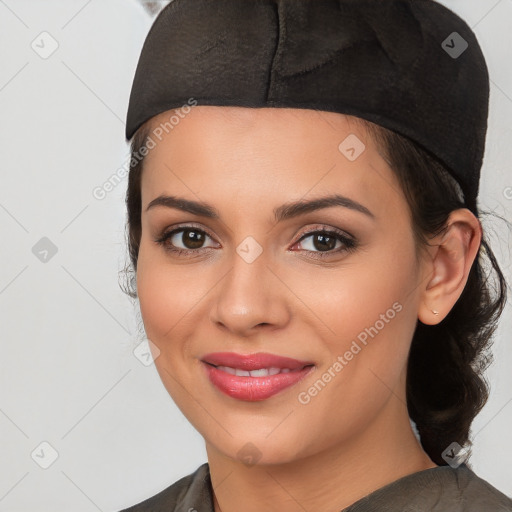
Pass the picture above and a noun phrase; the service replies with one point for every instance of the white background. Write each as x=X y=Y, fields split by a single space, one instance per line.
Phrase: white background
x=68 y=375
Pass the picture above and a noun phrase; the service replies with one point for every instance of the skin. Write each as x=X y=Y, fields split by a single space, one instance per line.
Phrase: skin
x=354 y=436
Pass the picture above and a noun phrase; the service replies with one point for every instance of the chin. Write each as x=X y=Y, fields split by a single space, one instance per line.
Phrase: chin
x=258 y=449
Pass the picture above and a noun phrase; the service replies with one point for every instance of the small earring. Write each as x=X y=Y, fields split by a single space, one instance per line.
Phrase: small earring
x=435 y=312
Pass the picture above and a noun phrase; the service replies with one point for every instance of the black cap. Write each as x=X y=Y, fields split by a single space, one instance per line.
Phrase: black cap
x=412 y=66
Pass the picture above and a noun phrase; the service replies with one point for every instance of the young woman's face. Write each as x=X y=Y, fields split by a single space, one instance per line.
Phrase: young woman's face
x=248 y=282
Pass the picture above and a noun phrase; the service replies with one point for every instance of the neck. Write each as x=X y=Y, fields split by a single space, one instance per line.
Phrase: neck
x=330 y=480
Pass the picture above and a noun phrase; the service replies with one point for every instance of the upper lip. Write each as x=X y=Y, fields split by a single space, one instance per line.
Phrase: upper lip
x=253 y=361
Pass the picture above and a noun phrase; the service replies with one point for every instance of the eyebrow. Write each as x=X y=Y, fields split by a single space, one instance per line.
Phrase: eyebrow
x=281 y=213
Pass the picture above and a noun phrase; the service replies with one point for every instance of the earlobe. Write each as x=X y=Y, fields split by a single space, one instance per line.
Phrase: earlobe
x=452 y=257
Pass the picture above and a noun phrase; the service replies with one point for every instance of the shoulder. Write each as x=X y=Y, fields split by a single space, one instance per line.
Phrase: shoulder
x=477 y=494
x=191 y=492
x=439 y=489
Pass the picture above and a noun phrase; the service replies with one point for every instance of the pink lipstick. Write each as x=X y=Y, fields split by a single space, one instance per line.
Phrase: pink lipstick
x=253 y=377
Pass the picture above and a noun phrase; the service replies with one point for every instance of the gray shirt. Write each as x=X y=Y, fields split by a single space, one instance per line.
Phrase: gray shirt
x=439 y=489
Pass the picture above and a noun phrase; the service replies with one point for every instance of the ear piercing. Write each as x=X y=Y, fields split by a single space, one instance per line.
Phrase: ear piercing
x=435 y=312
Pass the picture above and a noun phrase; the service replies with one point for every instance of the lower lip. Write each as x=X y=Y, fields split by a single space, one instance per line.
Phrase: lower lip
x=253 y=389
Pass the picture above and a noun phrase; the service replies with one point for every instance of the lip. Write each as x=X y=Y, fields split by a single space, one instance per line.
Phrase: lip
x=253 y=388
x=253 y=361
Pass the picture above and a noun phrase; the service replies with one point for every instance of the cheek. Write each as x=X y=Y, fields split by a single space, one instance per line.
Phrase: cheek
x=368 y=319
x=167 y=296
x=166 y=293
x=375 y=288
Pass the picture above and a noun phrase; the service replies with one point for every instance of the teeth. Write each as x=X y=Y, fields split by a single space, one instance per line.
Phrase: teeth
x=262 y=372
x=227 y=369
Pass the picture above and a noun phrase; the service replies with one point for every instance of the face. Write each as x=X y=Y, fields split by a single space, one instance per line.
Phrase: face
x=335 y=288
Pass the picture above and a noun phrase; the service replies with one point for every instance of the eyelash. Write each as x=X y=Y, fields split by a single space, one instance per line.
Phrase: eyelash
x=350 y=244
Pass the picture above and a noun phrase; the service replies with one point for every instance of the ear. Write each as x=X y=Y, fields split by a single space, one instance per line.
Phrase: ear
x=452 y=255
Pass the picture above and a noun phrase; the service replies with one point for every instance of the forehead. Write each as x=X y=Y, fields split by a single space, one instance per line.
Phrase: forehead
x=264 y=152
x=298 y=122
x=277 y=134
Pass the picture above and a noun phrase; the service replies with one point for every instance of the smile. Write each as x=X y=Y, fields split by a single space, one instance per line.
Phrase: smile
x=262 y=372
x=256 y=384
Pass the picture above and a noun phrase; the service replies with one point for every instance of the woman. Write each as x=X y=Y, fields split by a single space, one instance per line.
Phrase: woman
x=303 y=224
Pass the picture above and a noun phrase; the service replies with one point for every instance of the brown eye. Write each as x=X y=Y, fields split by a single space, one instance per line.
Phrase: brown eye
x=323 y=243
x=192 y=238
x=184 y=240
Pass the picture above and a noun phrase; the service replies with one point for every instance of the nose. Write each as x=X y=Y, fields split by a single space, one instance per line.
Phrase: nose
x=250 y=297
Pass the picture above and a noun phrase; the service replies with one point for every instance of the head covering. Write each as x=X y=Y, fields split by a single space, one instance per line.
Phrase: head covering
x=412 y=66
